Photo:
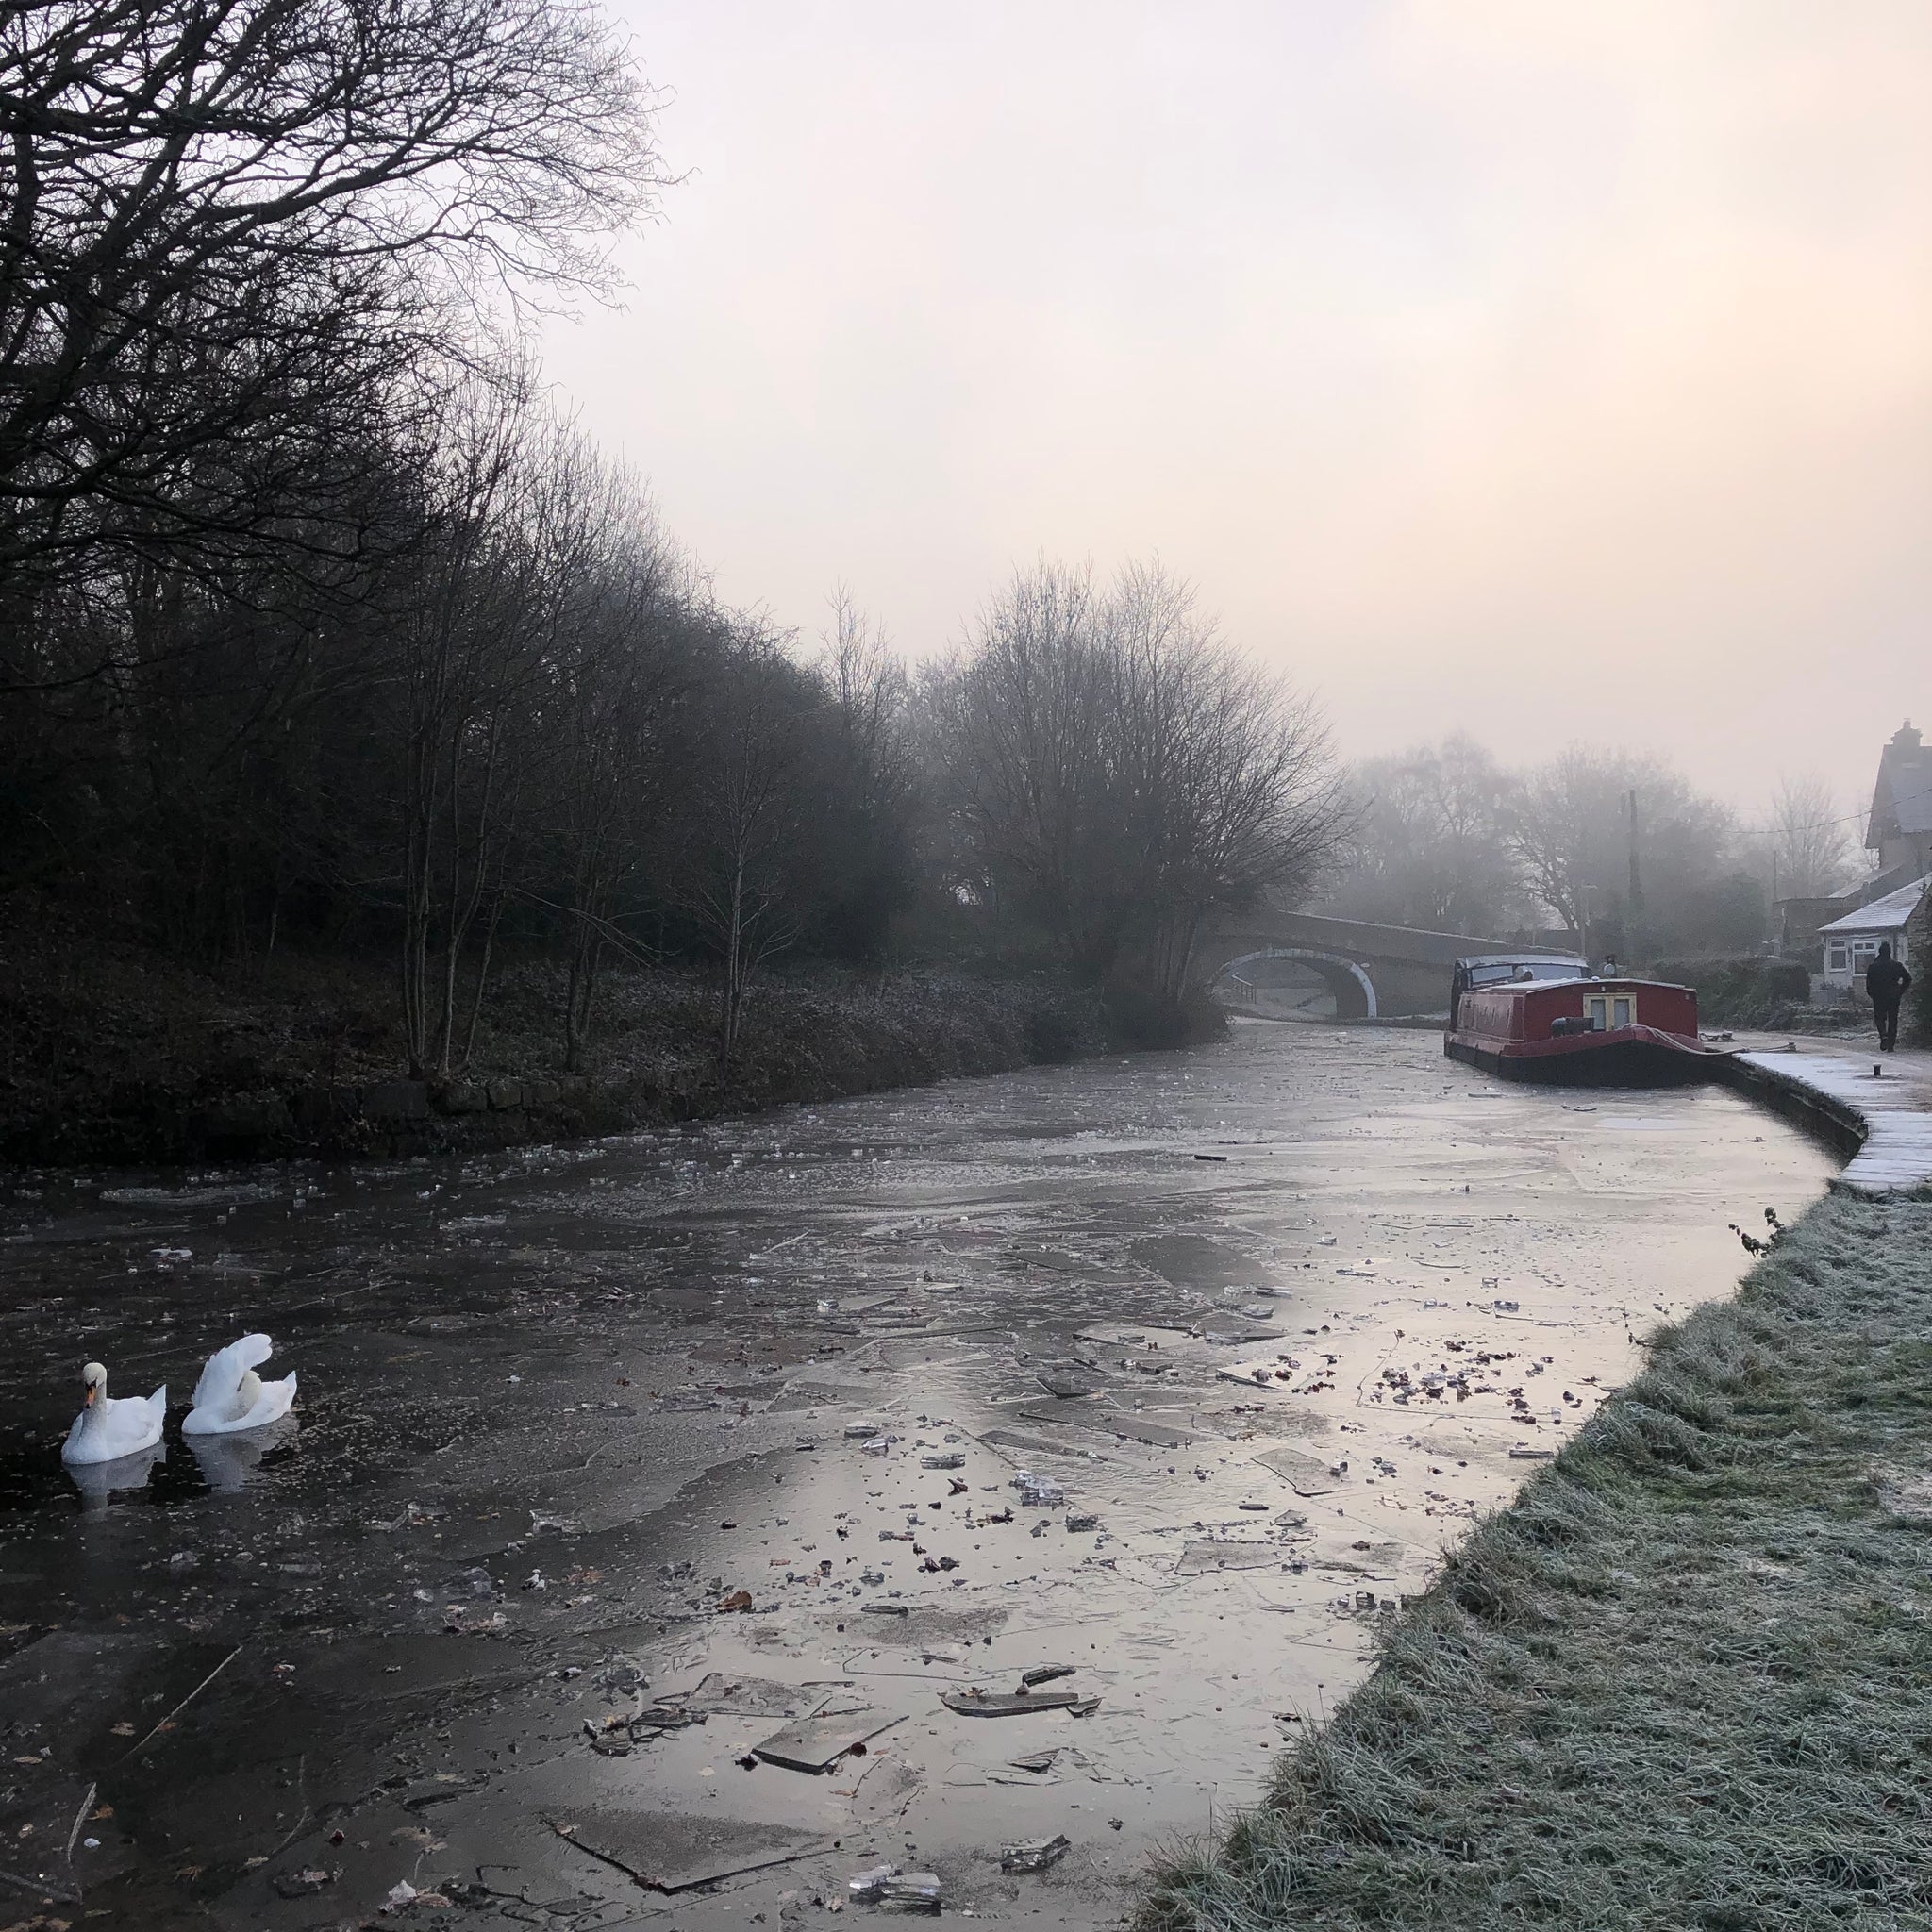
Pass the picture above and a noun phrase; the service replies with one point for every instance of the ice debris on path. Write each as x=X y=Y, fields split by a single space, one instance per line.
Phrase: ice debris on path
x=897 y=1892
x=912 y=1892
x=865 y=1887
x=1037 y=1491
x=1034 y=1853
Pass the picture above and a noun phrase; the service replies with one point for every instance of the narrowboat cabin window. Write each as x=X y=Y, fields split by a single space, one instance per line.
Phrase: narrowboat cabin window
x=1619 y=1012
x=1598 y=1011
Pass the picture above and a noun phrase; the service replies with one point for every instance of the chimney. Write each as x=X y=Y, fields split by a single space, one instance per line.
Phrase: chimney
x=1905 y=737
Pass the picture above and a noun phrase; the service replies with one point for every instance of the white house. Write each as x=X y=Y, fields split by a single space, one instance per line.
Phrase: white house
x=1851 y=943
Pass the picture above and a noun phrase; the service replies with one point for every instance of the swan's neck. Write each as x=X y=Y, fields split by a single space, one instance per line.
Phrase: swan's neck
x=93 y=1418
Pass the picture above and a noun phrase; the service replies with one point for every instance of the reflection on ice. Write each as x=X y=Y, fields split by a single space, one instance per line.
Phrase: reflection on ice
x=97 y=1480
x=227 y=1462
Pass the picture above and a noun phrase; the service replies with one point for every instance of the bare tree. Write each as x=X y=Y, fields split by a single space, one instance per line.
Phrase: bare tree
x=226 y=222
x=1570 y=827
x=1123 y=770
x=1223 y=779
x=733 y=866
x=1810 y=836
x=513 y=519
x=620 y=679
x=868 y=790
x=1431 y=845
x=868 y=687
x=1024 y=720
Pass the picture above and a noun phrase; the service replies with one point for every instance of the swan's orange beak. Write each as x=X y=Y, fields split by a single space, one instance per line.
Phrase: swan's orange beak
x=88 y=1401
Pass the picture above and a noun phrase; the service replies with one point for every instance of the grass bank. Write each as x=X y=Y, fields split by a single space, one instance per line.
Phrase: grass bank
x=1685 y=1681
x=114 y=1053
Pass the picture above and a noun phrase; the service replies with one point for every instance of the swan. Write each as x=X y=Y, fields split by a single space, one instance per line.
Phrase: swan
x=230 y=1395
x=104 y=1430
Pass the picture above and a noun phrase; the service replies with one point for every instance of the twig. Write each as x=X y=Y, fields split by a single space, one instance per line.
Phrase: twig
x=182 y=1706
x=634 y=950
x=74 y=1831
x=302 y=1816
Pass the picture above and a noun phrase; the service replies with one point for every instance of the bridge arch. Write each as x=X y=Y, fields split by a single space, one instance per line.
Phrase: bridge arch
x=1354 y=990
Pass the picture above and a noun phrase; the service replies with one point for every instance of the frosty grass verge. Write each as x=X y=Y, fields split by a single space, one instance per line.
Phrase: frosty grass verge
x=1685 y=1680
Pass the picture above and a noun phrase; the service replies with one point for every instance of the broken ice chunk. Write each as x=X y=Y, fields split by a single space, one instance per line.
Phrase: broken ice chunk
x=1034 y=1853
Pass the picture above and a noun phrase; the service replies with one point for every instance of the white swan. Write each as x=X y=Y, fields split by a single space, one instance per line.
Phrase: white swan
x=230 y=1395
x=104 y=1430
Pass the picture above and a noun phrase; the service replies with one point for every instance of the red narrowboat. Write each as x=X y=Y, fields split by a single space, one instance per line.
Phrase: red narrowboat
x=1581 y=1031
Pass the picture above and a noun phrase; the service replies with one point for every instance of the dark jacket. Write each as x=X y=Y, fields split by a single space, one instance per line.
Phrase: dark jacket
x=1886 y=981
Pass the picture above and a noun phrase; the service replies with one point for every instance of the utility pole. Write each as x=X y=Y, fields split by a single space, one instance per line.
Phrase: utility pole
x=1636 y=888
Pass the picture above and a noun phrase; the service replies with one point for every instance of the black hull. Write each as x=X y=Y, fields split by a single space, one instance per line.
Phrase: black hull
x=1616 y=1063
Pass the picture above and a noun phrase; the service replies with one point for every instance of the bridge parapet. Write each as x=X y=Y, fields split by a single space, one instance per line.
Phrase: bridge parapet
x=1372 y=969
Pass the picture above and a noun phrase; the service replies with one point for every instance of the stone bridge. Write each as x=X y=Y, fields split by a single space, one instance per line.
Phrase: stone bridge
x=1372 y=969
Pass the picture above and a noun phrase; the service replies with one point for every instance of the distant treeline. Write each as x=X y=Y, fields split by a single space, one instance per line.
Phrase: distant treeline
x=319 y=627
x=1615 y=847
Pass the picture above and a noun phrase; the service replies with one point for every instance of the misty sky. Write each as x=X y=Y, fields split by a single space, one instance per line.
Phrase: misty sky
x=1540 y=368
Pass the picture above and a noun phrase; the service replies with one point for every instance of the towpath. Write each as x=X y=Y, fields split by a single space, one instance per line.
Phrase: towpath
x=1883 y=1102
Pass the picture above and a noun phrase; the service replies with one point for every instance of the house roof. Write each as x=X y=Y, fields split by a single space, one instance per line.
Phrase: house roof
x=1902 y=794
x=1889 y=915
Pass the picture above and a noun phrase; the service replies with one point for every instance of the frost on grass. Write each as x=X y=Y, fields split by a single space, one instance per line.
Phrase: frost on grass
x=1685 y=1681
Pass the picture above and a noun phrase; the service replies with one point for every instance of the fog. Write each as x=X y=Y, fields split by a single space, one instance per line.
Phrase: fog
x=1540 y=372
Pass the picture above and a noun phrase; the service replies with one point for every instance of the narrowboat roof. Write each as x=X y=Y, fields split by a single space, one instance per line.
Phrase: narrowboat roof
x=1561 y=965
x=1593 y=981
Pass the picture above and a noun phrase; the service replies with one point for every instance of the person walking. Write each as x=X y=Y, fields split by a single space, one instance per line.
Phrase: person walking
x=1886 y=981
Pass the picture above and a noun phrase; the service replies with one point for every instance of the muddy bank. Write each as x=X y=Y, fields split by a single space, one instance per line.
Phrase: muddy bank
x=1685 y=1680
x=114 y=1053
x=1181 y=1371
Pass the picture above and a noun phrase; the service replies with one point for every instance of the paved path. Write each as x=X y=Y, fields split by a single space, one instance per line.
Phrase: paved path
x=1884 y=1100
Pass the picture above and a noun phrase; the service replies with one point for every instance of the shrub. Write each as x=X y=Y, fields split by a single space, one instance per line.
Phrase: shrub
x=1740 y=991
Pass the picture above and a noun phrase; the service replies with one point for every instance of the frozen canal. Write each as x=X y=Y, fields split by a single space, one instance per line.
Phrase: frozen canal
x=574 y=1511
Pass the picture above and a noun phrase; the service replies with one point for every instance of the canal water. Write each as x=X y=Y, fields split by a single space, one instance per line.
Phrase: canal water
x=612 y=1463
